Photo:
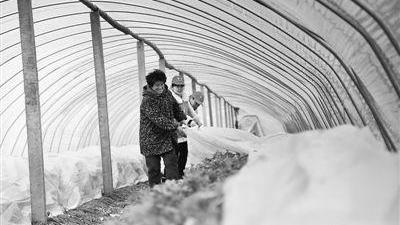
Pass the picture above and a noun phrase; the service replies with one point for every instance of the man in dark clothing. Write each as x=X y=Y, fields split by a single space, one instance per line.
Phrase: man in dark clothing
x=159 y=113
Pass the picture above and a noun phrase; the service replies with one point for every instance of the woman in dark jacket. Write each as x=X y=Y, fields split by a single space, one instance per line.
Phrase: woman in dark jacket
x=159 y=113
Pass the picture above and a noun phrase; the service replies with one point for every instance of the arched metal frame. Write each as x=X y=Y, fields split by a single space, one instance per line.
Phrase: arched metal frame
x=279 y=65
x=311 y=97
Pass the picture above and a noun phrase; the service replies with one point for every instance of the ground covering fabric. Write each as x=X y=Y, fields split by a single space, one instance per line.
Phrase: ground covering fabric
x=340 y=176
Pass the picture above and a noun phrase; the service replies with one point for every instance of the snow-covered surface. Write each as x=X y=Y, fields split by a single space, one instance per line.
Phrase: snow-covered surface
x=71 y=178
x=339 y=176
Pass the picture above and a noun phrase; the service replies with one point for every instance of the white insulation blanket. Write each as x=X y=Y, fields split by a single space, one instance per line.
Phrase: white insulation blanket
x=71 y=178
x=338 y=176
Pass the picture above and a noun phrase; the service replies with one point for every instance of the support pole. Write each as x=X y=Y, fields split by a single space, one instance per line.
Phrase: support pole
x=228 y=123
x=236 y=111
x=161 y=63
x=32 y=111
x=101 y=102
x=233 y=116
x=220 y=112
x=210 y=107
x=217 y=111
x=229 y=116
x=225 y=114
x=203 y=107
x=141 y=67
x=193 y=85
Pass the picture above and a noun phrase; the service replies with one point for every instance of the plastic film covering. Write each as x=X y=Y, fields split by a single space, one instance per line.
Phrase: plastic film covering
x=307 y=64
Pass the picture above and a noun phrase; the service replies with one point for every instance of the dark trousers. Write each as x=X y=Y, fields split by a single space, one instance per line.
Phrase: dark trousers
x=182 y=153
x=153 y=163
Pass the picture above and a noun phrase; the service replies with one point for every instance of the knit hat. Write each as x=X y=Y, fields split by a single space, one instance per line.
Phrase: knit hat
x=198 y=97
x=178 y=80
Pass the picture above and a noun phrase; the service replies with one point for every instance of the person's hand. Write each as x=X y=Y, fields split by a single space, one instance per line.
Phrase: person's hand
x=191 y=123
x=182 y=122
x=176 y=123
x=181 y=131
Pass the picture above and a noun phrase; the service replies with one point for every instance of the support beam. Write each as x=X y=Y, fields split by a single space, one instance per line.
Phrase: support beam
x=225 y=114
x=193 y=85
x=228 y=122
x=161 y=63
x=233 y=117
x=210 y=108
x=32 y=110
x=220 y=112
x=203 y=107
x=141 y=66
x=230 y=115
x=101 y=102
x=391 y=74
x=217 y=111
x=236 y=112
x=390 y=144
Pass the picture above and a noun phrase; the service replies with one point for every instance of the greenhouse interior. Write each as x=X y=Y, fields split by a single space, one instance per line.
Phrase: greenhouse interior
x=299 y=111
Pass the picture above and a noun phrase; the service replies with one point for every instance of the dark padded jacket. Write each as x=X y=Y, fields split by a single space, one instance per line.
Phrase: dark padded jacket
x=158 y=122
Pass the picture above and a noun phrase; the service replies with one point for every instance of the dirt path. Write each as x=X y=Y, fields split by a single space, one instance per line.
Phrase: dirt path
x=98 y=210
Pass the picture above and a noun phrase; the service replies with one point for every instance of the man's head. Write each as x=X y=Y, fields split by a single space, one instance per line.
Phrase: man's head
x=178 y=85
x=156 y=81
x=196 y=99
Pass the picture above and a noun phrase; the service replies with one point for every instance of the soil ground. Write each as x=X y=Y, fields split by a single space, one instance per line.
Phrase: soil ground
x=110 y=207
x=98 y=210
